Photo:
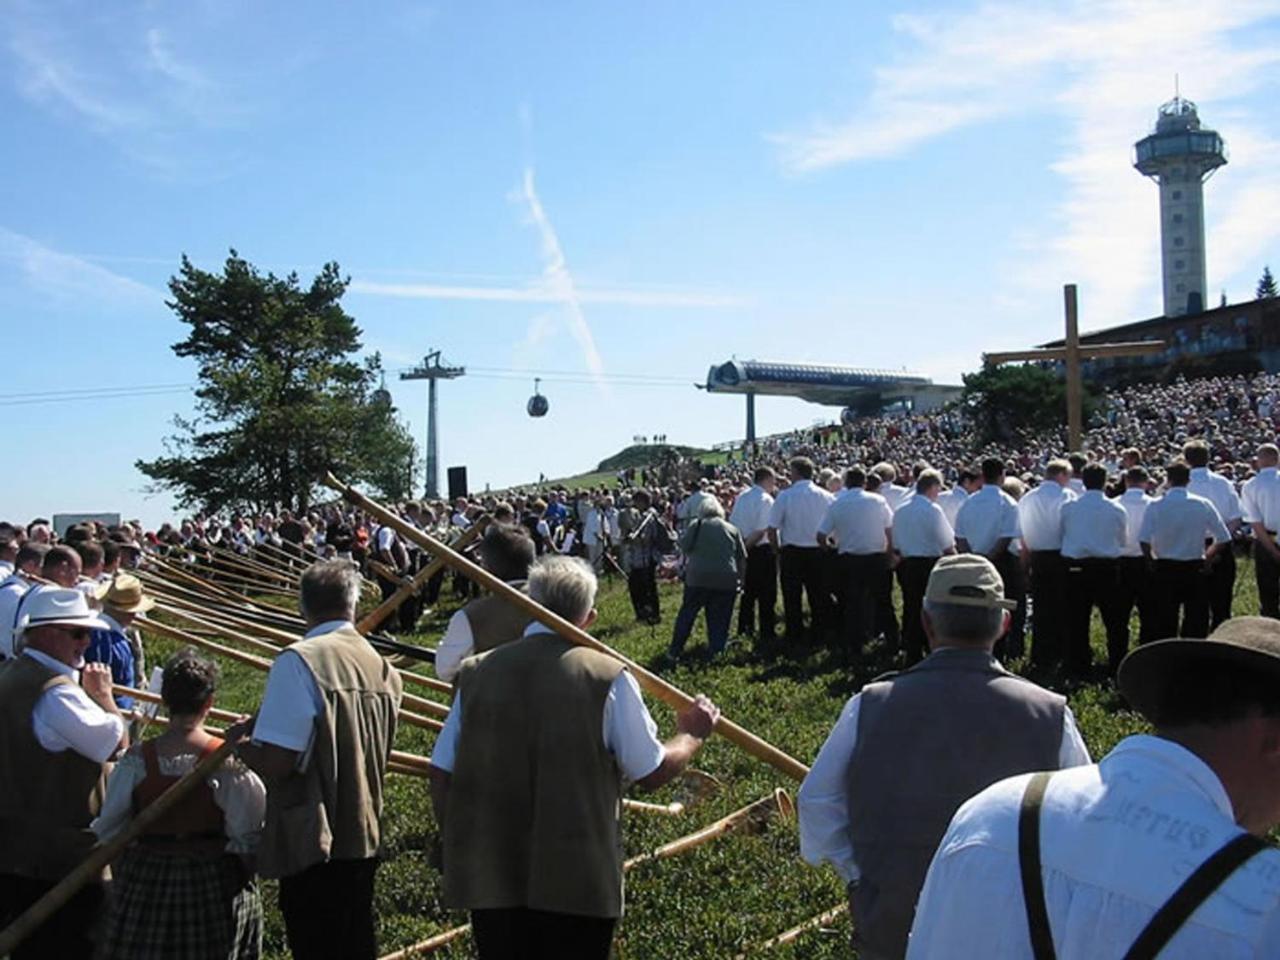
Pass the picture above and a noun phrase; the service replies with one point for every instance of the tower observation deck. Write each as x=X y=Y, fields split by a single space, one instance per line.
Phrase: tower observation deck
x=1180 y=155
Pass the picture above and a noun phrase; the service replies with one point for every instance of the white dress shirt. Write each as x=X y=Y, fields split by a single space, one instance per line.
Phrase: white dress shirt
x=920 y=529
x=1178 y=524
x=1040 y=515
x=1134 y=502
x=626 y=727
x=456 y=645
x=65 y=718
x=1116 y=840
x=237 y=791
x=895 y=496
x=751 y=511
x=1218 y=490
x=292 y=699
x=796 y=513
x=1260 y=499
x=823 y=800
x=12 y=591
x=858 y=521
x=1093 y=527
x=599 y=524
x=952 y=501
x=987 y=516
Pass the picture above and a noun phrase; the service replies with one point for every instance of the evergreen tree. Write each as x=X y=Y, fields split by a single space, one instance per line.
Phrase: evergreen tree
x=1267 y=285
x=282 y=396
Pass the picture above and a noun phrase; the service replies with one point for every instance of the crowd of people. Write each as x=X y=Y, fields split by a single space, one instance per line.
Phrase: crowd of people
x=956 y=799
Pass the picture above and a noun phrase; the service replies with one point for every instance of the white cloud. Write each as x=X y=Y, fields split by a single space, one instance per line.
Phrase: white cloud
x=58 y=274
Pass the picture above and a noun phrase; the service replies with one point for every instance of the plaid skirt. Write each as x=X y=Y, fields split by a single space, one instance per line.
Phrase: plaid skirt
x=165 y=906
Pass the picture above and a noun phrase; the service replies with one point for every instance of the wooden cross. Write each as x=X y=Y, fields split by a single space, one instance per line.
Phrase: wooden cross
x=1071 y=352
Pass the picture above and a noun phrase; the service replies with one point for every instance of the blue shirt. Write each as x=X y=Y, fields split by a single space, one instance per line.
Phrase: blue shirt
x=113 y=648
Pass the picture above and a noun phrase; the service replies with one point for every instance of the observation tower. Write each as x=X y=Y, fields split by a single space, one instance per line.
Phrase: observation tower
x=1180 y=156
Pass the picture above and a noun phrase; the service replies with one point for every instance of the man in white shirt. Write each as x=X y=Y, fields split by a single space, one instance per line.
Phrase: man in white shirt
x=895 y=495
x=1093 y=536
x=760 y=583
x=526 y=783
x=29 y=561
x=1261 y=509
x=921 y=534
x=881 y=790
x=1174 y=532
x=600 y=531
x=57 y=732
x=1099 y=851
x=793 y=531
x=987 y=524
x=1135 y=580
x=966 y=483
x=1221 y=492
x=1040 y=521
x=689 y=508
x=859 y=526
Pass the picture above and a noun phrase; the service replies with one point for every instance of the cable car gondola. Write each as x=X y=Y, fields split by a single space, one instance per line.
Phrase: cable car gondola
x=537 y=405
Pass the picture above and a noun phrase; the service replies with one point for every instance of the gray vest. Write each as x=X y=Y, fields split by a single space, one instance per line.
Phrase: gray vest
x=929 y=739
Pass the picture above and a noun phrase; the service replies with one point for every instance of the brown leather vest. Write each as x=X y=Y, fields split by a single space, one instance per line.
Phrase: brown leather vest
x=928 y=740
x=47 y=800
x=535 y=797
x=494 y=621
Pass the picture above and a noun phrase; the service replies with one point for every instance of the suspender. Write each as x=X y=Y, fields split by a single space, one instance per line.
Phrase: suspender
x=1168 y=920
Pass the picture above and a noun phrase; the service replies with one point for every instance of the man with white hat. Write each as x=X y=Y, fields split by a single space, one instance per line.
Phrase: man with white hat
x=913 y=746
x=122 y=603
x=1156 y=850
x=55 y=738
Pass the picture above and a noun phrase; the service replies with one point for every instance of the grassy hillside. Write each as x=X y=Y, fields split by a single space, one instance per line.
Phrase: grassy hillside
x=736 y=891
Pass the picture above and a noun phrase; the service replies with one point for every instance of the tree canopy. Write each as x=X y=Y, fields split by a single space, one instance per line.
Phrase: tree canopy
x=282 y=394
x=1013 y=399
x=1267 y=285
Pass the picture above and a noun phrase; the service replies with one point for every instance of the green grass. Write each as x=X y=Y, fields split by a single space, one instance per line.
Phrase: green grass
x=735 y=891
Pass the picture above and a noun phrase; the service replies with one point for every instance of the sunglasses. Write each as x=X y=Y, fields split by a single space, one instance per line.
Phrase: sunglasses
x=76 y=633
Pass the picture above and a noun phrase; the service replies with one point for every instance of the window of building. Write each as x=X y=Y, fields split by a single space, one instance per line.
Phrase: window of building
x=1177 y=194
x=1177 y=218
x=1177 y=241
x=1179 y=264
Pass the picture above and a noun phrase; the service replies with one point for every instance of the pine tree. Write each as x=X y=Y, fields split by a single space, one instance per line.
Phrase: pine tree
x=1267 y=285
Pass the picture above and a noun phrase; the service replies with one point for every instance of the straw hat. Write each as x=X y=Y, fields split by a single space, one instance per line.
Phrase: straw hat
x=125 y=594
x=57 y=607
x=1247 y=644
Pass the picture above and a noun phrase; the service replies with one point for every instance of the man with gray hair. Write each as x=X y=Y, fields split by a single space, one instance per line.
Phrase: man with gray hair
x=320 y=741
x=912 y=746
x=528 y=774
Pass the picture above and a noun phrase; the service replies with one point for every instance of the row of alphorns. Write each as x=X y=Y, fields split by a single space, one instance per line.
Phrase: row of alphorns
x=267 y=628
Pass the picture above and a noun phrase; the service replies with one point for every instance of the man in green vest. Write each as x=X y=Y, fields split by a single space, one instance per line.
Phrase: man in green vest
x=321 y=741
x=57 y=732
x=528 y=776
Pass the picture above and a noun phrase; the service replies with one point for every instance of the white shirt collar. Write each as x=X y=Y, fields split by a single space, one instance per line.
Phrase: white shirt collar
x=43 y=658
x=1199 y=471
x=1172 y=755
x=536 y=627
x=329 y=626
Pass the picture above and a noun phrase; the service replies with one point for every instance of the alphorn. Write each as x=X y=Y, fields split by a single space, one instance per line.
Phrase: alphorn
x=787 y=936
x=173 y=633
x=375 y=617
x=104 y=853
x=753 y=814
x=655 y=685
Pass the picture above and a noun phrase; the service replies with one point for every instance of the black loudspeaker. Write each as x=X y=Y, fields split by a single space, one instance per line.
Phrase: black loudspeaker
x=457 y=482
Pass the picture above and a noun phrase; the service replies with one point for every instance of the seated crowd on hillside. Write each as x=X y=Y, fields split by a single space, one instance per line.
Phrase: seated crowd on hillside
x=955 y=799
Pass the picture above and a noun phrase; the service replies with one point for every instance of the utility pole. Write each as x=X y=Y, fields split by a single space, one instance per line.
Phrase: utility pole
x=432 y=370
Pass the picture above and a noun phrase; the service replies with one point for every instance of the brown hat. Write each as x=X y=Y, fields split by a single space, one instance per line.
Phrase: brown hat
x=968 y=580
x=125 y=594
x=1247 y=644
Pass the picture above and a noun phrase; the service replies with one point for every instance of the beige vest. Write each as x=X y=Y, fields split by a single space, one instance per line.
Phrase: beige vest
x=534 y=803
x=47 y=800
x=331 y=809
x=929 y=739
x=494 y=621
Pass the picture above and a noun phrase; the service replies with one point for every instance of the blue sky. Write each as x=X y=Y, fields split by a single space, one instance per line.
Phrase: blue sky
x=598 y=188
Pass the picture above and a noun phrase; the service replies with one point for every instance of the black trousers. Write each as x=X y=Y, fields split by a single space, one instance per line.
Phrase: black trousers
x=861 y=576
x=518 y=933
x=1094 y=582
x=913 y=578
x=1180 y=591
x=328 y=911
x=642 y=584
x=803 y=572
x=1266 y=570
x=1222 y=585
x=886 y=621
x=1013 y=643
x=760 y=592
x=67 y=934
x=1048 y=594
x=407 y=613
x=1134 y=591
